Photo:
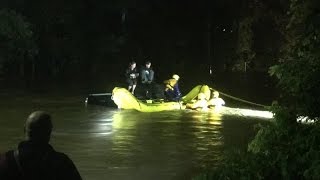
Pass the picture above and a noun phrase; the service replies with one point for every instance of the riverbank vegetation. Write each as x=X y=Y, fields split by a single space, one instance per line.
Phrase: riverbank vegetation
x=85 y=40
x=285 y=148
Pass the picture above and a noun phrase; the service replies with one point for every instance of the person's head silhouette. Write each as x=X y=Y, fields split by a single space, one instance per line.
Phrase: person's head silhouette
x=35 y=158
x=38 y=127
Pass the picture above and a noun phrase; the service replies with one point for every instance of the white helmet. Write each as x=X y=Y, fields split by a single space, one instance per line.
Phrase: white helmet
x=215 y=94
x=201 y=96
x=176 y=77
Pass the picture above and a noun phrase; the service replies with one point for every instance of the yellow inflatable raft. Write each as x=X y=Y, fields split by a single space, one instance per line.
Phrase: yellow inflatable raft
x=125 y=100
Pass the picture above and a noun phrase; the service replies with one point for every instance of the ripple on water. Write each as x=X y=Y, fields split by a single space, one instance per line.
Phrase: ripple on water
x=114 y=144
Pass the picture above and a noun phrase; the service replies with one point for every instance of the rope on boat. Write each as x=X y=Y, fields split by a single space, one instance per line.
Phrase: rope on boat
x=239 y=99
x=101 y=94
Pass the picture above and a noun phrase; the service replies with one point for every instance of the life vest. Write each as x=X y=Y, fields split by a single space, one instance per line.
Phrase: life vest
x=202 y=103
x=170 y=83
x=216 y=102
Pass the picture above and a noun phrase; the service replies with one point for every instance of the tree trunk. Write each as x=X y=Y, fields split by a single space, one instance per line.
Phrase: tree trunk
x=22 y=69
x=33 y=69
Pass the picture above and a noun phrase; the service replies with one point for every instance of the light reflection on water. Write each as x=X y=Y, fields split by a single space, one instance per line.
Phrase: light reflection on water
x=113 y=144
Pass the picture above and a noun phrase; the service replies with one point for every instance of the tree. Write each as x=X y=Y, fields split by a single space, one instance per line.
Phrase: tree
x=17 y=42
x=298 y=70
x=244 y=51
x=288 y=150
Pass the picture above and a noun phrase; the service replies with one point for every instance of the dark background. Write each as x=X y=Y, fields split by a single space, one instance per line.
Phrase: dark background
x=82 y=41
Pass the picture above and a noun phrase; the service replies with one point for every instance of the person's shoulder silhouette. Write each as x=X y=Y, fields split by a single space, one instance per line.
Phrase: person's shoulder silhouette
x=35 y=158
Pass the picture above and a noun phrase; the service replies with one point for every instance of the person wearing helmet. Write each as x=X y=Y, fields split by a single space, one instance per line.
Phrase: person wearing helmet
x=216 y=101
x=172 y=90
x=132 y=75
x=201 y=103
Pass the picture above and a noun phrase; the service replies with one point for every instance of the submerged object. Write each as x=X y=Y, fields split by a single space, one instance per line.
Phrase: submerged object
x=101 y=99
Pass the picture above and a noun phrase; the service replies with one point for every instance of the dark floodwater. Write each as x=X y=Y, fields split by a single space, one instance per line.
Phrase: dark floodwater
x=108 y=143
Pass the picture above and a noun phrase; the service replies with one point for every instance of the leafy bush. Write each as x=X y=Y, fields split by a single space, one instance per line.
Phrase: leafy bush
x=286 y=149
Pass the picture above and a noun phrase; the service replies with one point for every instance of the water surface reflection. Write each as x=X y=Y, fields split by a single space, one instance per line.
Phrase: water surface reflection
x=114 y=144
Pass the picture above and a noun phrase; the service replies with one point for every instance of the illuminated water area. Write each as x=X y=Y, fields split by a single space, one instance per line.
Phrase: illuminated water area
x=108 y=143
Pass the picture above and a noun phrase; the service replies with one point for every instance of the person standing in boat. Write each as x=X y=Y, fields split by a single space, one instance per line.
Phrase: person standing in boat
x=131 y=76
x=147 y=76
x=147 y=73
x=172 y=91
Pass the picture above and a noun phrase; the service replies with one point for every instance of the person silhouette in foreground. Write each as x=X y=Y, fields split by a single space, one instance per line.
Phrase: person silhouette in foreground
x=35 y=158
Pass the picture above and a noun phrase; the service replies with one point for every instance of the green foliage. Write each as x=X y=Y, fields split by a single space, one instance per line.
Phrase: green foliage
x=13 y=26
x=286 y=149
x=289 y=147
x=16 y=37
x=299 y=70
x=246 y=38
x=293 y=153
x=245 y=42
x=275 y=153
